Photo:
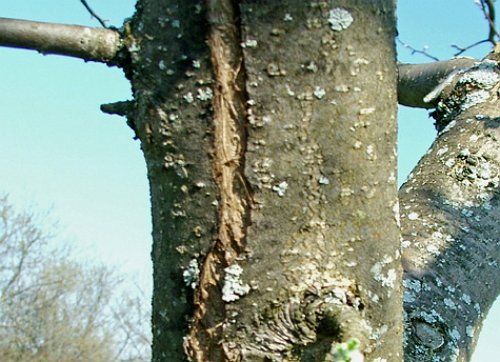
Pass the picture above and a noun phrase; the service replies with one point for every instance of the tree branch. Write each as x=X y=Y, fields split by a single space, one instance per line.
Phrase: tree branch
x=118 y=108
x=93 y=13
x=462 y=50
x=488 y=9
x=449 y=221
x=422 y=51
x=418 y=80
x=90 y=44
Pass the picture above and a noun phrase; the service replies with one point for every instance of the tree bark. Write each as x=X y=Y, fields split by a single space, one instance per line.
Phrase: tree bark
x=269 y=135
x=450 y=212
x=416 y=81
x=93 y=44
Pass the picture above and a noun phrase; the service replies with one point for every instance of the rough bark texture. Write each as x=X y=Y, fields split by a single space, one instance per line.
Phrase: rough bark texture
x=269 y=134
x=268 y=129
x=172 y=78
x=450 y=212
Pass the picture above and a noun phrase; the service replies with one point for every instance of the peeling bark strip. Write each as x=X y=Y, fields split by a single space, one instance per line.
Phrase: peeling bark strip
x=229 y=107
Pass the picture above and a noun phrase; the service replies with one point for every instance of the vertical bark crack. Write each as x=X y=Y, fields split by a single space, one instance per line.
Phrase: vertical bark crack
x=230 y=138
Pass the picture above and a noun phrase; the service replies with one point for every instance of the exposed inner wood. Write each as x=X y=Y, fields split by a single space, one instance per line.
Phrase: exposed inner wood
x=229 y=116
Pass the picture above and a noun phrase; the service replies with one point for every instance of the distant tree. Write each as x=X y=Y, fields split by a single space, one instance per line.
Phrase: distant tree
x=53 y=308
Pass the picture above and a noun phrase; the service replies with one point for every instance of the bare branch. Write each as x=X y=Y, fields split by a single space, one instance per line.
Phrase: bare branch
x=417 y=80
x=488 y=9
x=417 y=51
x=118 y=108
x=450 y=211
x=90 y=44
x=93 y=13
x=462 y=50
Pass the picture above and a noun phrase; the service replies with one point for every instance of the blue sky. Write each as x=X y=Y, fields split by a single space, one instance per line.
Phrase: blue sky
x=59 y=152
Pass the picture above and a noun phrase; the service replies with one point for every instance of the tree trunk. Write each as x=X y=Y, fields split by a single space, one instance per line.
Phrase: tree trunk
x=268 y=131
x=269 y=135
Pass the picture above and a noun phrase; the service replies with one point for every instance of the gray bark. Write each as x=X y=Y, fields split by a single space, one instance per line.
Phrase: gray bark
x=284 y=173
x=268 y=133
x=416 y=81
x=450 y=212
x=101 y=45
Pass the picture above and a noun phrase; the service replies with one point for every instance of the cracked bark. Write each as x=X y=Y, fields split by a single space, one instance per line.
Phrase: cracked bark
x=229 y=118
x=281 y=164
x=315 y=274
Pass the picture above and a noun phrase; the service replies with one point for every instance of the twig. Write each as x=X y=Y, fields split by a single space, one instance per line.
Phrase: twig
x=488 y=9
x=462 y=50
x=415 y=51
x=93 y=14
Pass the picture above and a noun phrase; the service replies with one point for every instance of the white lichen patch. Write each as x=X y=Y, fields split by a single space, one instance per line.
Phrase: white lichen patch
x=469 y=331
x=357 y=145
x=249 y=43
x=370 y=152
x=379 y=332
x=346 y=192
x=312 y=67
x=473 y=138
x=322 y=180
x=233 y=288
x=339 y=19
x=442 y=151
x=455 y=334
x=388 y=279
x=281 y=188
x=466 y=298
x=191 y=274
x=450 y=162
x=188 y=97
x=289 y=90
x=205 y=94
x=474 y=98
x=342 y=88
x=366 y=111
x=319 y=92
x=484 y=75
x=405 y=244
x=449 y=303
x=413 y=216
